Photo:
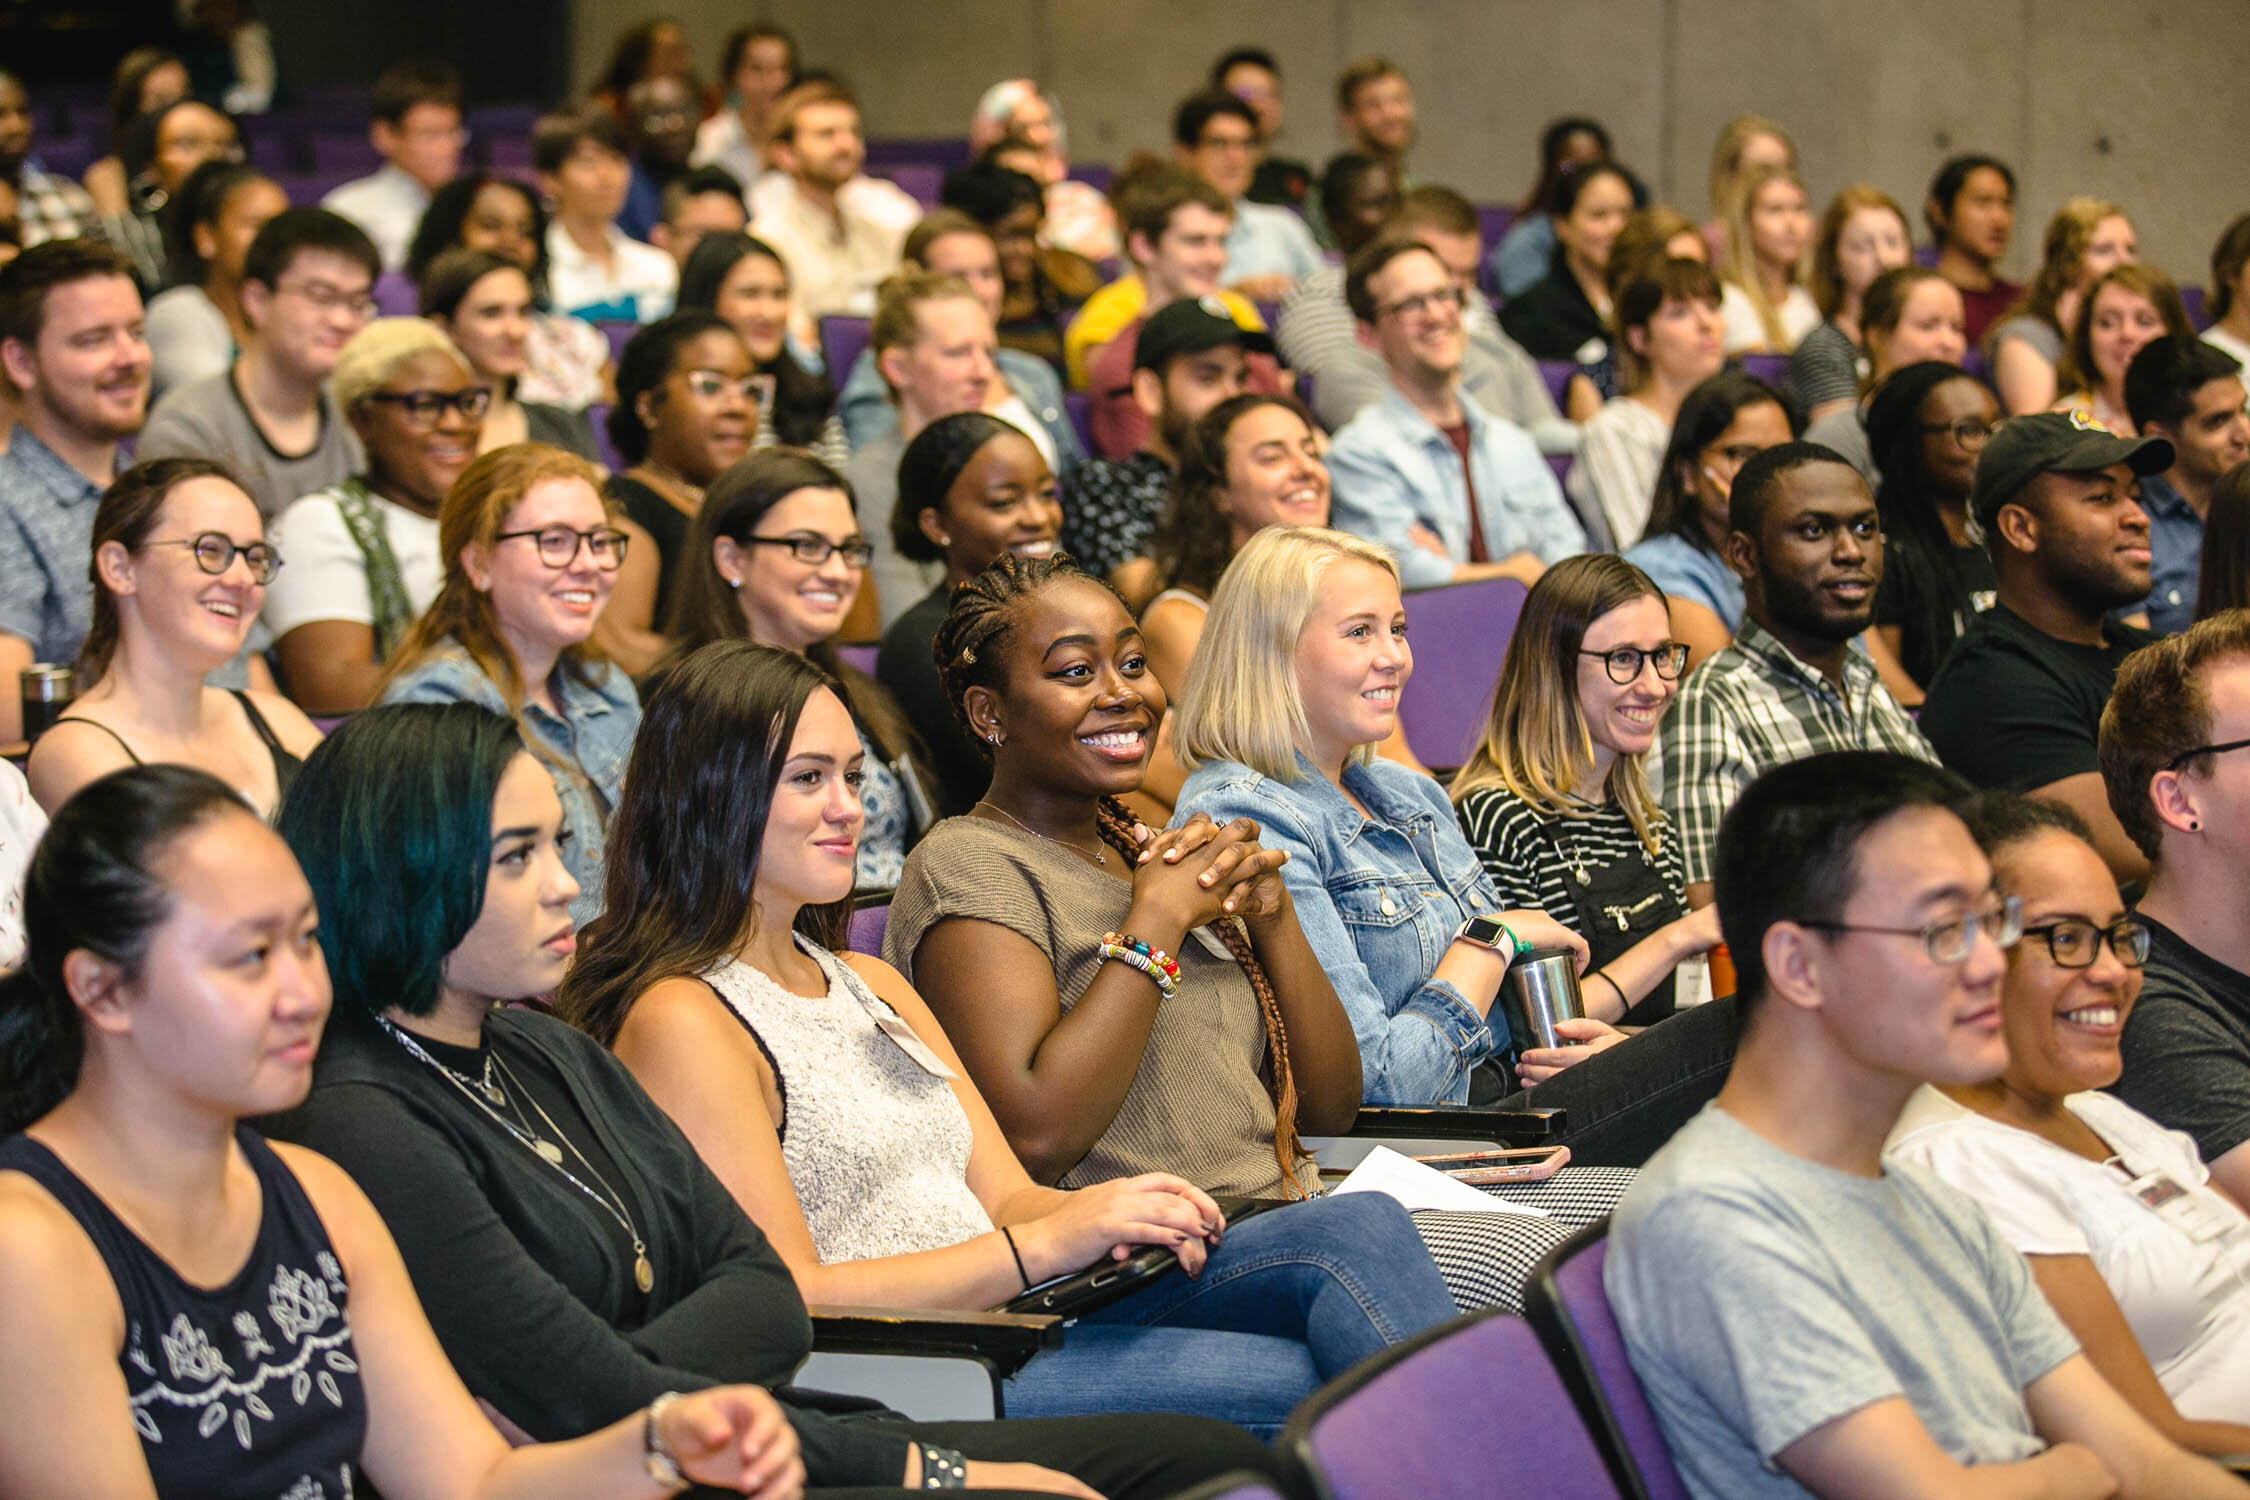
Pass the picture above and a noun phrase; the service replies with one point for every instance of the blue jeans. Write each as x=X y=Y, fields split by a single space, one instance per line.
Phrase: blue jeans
x=1291 y=1298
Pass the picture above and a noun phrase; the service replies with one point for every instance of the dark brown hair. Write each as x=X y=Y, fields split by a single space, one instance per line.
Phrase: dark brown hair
x=127 y=515
x=2160 y=710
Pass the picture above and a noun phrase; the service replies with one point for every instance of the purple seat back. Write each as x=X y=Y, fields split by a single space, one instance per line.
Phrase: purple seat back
x=2191 y=297
x=841 y=339
x=943 y=152
x=919 y=180
x=1233 y=1487
x=859 y=657
x=1470 y=1410
x=619 y=332
x=345 y=156
x=1570 y=1312
x=1493 y=221
x=869 y=918
x=1556 y=373
x=395 y=296
x=1460 y=635
x=1773 y=369
x=1079 y=407
x=597 y=417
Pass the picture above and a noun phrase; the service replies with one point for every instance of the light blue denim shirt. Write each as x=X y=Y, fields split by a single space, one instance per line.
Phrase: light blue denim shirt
x=1392 y=467
x=2175 y=535
x=593 y=736
x=1379 y=899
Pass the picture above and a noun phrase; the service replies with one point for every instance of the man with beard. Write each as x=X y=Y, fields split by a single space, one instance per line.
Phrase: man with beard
x=1188 y=357
x=2018 y=701
x=660 y=117
x=836 y=250
x=2190 y=393
x=1796 y=681
x=72 y=345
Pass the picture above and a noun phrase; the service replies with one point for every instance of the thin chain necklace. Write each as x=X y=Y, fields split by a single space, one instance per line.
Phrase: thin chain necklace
x=1098 y=856
x=611 y=1201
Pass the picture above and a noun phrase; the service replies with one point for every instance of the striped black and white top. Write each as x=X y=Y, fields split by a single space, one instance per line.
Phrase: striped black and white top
x=1506 y=833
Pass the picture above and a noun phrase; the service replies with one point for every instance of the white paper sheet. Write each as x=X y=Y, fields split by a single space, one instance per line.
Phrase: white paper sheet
x=1418 y=1186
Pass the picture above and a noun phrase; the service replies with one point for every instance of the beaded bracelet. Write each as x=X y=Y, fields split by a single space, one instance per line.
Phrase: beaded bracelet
x=1154 y=962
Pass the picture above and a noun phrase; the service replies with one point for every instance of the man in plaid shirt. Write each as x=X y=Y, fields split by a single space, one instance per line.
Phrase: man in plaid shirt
x=49 y=207
x=1805 y=539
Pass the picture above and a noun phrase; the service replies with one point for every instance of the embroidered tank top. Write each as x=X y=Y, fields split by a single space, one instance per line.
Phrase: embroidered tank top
x=877 y=1146
x=248 y=1389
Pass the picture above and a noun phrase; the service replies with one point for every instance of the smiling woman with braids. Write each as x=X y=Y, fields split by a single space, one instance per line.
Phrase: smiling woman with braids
x=1128 y=1001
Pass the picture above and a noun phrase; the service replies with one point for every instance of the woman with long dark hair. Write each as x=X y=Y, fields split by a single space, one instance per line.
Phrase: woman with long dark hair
x=1927 y=424
x=777 y=557
x=744 y=281
x=575 y=1255
x=188 y=1310
x=874 y=1167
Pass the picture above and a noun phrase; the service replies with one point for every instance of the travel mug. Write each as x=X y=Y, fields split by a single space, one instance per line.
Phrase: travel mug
x=1542 y=988
x=47 y=691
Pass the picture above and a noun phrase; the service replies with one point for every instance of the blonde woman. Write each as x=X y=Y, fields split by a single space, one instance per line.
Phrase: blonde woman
x=531 y=552
x=2127 y=307
x=1862 y=235
x=2085 y=239
x=1767 y=308
x=1303 y=662
x=1554 y=800
x=1745 y=142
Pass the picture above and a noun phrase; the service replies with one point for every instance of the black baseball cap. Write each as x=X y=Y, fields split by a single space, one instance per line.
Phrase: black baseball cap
x=1190 y=326
x=2053 y=442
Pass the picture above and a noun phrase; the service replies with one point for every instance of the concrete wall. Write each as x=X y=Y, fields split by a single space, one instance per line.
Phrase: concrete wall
x=2151 y=109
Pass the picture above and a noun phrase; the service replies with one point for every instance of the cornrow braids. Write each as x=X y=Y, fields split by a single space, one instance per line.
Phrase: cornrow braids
x=1114 y=820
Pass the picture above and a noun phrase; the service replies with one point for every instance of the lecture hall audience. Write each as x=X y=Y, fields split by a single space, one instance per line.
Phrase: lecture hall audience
x=370 y=454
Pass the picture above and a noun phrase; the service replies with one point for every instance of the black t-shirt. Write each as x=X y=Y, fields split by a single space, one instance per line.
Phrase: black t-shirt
x=905 y=666
x=666 y=525
x=2013 y=707
x=2187 y=1045
x=1932 y=603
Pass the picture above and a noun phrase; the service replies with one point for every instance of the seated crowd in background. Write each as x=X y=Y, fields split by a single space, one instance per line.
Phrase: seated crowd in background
x=514 y=607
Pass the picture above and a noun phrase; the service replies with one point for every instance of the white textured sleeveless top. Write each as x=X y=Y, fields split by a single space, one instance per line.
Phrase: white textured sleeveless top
x=877 y=1146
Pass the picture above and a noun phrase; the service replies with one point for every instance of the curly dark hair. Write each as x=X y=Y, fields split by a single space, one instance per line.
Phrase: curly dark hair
x=1191 y=543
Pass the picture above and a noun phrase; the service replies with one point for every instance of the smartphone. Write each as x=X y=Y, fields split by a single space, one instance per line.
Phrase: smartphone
x=1512 y=1164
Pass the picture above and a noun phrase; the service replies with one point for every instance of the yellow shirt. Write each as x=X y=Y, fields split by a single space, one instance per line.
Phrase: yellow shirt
x=1114 y=308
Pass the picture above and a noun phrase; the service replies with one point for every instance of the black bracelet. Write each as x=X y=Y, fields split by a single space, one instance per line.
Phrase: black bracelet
x=1613 y=984
x=1018 y=1254
x=942 y=1469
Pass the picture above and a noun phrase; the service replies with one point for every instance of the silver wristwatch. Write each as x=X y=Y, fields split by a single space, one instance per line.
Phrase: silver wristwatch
x=656 y=1459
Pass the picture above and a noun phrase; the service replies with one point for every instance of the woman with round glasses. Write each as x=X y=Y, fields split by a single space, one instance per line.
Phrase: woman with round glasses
x=366 y=550
x=1556 y=804
x=687 y=407
x=2133 y=1245
x=777 y=557
x=180 y=568
x=1927 y=425
x=530 y=557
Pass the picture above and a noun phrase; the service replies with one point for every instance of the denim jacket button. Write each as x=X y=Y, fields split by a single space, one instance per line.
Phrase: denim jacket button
x=1390 y=907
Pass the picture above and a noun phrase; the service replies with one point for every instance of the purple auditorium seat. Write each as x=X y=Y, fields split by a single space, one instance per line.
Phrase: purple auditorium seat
x=1460 y=633
x=859 y=656
x=944 y=153
x=869 y=916
x=1556 y=373
x=619 y=332
x=1095 y=174
x=841 y=339
x=1469 y=1410
x=1773 y=369
x=509 y=155
x=68 y=156
x=1080 y=407
x=1233 y=1487
x=1569 y=1311
x=345 y=156
x=396 y=296
x=919 y=180
x=2191 y=297
x=1493 y=221
x=598 y=418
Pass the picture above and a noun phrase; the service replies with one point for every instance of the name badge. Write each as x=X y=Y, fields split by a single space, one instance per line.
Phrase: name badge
x=1211 y=942
x=895 y=1027
x=2194 y=1215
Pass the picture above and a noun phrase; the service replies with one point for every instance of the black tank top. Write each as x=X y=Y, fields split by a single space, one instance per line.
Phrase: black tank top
x=285 y=765
x=248 y=1389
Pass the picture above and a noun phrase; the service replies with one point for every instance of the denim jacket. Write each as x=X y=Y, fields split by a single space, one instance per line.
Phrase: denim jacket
x=1379 y=899
x=593 y=737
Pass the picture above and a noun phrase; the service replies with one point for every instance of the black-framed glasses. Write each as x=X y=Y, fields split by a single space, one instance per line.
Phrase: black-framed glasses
x=1949 y=940
x=558 y=545
x=1624 y=663
x=422 y=409
x=1970 y=432
x=2185 y=756
x=215 y=552
x=2074 y=943
x=813 y=551
x=1421 y=304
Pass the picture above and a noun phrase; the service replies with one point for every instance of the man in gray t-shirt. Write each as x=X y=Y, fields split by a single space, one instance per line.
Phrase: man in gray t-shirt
x=268 y=418
x=1805 y=1317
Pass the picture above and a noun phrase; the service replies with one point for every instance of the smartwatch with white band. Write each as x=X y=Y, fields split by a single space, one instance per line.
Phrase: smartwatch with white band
x=1491 y=932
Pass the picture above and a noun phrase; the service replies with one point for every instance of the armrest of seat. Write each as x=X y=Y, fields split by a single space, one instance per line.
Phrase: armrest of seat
x=1502 y=1127
x=1005 y=1341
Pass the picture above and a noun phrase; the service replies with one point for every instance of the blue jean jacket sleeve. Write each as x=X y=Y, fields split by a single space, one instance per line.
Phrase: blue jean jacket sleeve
x=1374 y=500
x=864 y=406
x=1416 y=1054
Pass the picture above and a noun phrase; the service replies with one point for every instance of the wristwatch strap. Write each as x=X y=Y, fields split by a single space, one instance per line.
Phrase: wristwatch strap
x=656 y=1459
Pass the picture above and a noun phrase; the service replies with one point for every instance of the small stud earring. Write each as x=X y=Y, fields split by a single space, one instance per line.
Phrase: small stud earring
x=734 y=583
x=995 y=738
x=944 y=540
x=2195 y=826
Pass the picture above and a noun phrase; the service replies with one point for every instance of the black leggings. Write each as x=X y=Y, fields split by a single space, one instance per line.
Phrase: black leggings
x=1626 y=1101
x=1125 y=1458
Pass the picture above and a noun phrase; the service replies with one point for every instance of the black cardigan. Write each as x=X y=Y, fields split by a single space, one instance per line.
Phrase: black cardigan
x=520 y=1272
